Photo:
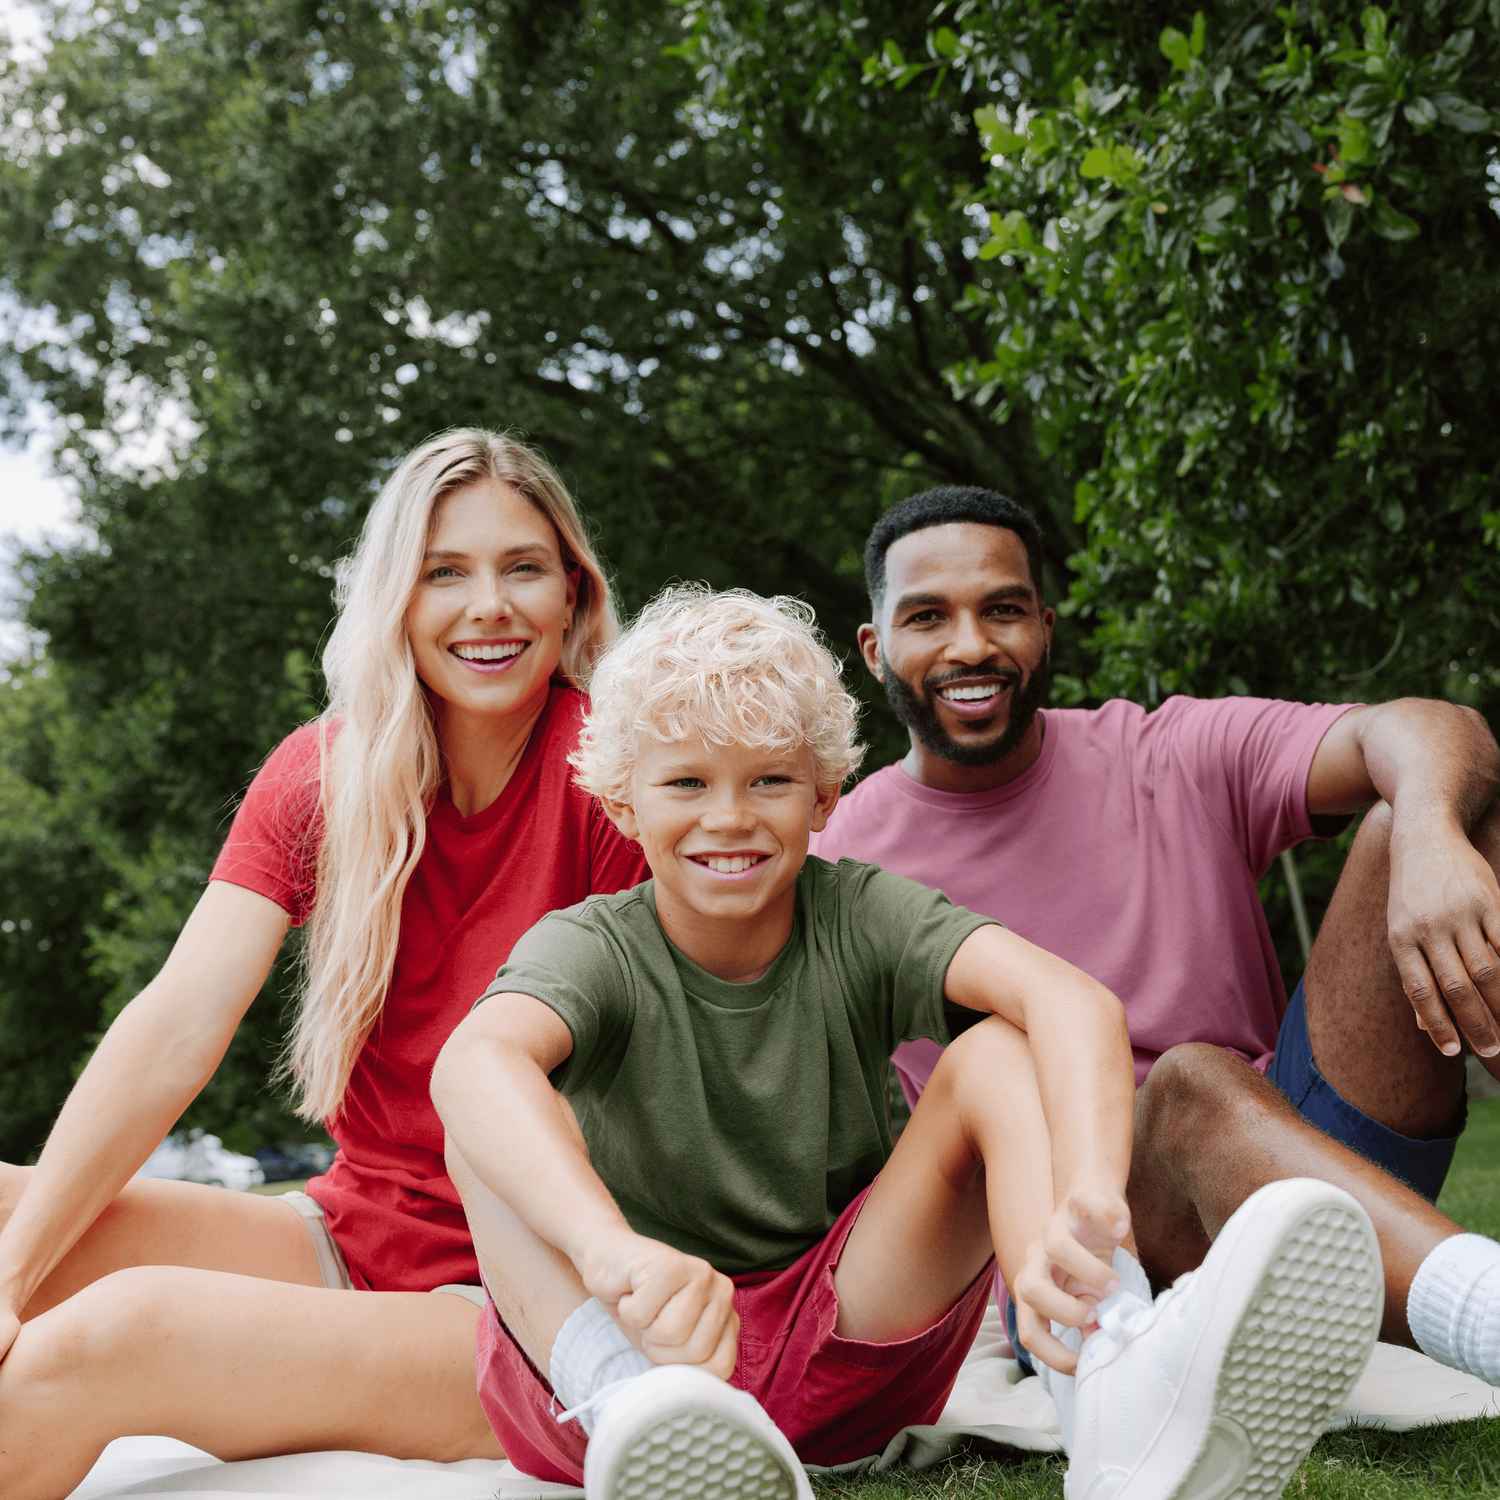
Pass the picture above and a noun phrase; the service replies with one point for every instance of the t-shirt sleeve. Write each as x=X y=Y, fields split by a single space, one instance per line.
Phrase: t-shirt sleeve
x=569 y=963
x=1251 y=757
x=272 y=846
x=900 y=940
x=615 y=862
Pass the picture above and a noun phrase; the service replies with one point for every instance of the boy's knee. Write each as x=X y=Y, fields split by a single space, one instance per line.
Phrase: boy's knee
x=982 y=1058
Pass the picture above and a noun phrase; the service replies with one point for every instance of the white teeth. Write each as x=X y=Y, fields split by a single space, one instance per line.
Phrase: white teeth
x=489 y=653
x=732 y=864
x=972 y=694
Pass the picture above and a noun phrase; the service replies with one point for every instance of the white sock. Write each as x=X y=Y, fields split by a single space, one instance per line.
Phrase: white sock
x=1453 y=1307
x=589 y=1353
x=1063 y=1388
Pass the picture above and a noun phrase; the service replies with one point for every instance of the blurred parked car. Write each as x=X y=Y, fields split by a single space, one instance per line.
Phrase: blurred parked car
x=198 y=1157
x=294 y=1163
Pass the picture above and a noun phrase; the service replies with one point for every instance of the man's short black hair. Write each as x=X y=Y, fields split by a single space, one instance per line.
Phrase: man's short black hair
x=947 y=504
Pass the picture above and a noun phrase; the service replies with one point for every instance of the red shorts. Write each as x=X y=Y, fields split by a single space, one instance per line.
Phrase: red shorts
x=836 y=1399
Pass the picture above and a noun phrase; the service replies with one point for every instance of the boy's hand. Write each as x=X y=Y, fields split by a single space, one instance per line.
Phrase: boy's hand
x=1067 y=1272
x=675 y=1308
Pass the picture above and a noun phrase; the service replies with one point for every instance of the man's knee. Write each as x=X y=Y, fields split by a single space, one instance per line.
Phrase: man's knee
x=1190 y=1086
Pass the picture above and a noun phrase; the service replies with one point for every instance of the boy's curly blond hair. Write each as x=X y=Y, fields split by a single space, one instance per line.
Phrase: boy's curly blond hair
x=732 y=668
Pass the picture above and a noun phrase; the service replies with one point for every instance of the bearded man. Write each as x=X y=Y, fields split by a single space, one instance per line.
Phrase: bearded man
x=1131 y=842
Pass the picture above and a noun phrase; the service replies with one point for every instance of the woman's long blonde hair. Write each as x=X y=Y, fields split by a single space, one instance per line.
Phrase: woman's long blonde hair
x=379 y=763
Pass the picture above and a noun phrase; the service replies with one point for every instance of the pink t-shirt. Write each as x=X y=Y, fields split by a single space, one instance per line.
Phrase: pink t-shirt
x=1131 y=848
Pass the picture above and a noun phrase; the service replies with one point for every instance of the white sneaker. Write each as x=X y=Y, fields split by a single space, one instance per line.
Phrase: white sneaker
x=679 y=1433
x=1220 y=1387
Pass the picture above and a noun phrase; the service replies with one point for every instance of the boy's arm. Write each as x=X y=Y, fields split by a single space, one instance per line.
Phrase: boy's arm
x=491 y=1089
x=1076 y=1030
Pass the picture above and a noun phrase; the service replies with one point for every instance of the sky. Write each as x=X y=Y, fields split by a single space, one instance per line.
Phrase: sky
x=34 y=505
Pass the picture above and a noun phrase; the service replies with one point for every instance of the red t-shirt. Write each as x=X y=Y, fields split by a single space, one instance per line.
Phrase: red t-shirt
x=481 y=882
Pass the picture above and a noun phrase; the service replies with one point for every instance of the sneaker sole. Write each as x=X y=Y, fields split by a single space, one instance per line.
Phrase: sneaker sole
x=696 y=1453
x=1301 y=1341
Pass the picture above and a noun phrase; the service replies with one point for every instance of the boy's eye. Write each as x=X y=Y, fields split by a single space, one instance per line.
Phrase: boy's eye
x=688 y=783
x=773 y=778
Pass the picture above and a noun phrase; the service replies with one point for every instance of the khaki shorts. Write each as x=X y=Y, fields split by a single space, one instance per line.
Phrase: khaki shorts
x=331 y=1260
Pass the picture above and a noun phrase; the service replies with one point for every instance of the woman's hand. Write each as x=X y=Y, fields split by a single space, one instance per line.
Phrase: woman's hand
x=1067 y=1272
x=675 y=1308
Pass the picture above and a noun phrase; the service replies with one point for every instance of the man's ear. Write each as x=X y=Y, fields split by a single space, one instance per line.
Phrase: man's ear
x=622 y=815
x=1049 y=619
x=828 y=799
x=869 y=648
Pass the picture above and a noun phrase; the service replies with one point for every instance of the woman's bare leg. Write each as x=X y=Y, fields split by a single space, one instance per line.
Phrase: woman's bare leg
x=156 y=1223
x=239 y=1366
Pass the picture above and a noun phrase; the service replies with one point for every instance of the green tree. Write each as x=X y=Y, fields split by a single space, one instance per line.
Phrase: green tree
x=300 y=238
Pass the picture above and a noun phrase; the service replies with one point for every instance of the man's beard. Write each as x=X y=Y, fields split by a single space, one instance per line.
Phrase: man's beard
x=916 y=711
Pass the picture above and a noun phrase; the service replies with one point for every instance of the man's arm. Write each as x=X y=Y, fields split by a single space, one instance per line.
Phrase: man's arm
x=1438 y=767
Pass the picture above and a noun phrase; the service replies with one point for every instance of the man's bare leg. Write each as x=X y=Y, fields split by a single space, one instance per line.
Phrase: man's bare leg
x=1363 y=1032
x=1210 y=1130
x=239 y=1366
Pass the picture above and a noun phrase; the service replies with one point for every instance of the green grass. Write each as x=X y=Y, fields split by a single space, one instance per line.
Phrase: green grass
x=1437 y=1463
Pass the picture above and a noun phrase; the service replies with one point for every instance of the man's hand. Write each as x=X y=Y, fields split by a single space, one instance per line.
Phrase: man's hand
x=1444 y=928
x=1067 y=1272
x=675 y=1308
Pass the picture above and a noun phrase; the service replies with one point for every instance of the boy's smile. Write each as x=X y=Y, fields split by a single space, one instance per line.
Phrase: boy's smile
x=725 y=830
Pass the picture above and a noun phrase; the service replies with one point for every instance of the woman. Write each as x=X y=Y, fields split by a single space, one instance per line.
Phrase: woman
x=423 y=823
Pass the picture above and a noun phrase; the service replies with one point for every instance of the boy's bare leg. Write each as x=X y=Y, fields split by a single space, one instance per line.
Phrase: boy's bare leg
x=935 y=1214
x=240 y=1366
x=1210 y=1130
x=179 y=1224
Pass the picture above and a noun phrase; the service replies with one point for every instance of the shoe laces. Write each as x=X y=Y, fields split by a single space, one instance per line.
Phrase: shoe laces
x=594 y=1402
x=1125 y=1316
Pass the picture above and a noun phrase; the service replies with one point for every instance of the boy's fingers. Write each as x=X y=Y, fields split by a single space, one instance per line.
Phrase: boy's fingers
x=1051 y=1302
x=724 y=1356
x=1085 y=1268
x=657 y=1284
x=679 y=1316
x=1041 y=1344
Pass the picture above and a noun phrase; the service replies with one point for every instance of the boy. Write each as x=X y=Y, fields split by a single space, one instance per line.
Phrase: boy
x=667 y=1121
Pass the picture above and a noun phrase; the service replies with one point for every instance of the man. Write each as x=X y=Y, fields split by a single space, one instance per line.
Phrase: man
x=1130 y=844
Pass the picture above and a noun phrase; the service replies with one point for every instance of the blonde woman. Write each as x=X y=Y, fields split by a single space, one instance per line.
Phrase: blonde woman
x=418 y=827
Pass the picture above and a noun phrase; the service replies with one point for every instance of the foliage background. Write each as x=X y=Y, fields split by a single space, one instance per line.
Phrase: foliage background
x=1219 y=300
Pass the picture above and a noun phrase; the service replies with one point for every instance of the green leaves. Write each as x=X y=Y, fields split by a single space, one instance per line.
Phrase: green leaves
x=1182 y=51
x=1461 y=114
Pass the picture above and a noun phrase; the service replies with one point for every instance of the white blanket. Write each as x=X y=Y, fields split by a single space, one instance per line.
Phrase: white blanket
x=992 y=1400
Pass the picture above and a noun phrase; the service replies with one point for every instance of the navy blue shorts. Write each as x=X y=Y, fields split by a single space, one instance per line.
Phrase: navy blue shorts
x=1421 y=1164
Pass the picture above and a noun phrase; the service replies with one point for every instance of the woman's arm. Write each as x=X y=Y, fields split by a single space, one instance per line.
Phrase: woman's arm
x=152 y=1062
x=1077 y=1032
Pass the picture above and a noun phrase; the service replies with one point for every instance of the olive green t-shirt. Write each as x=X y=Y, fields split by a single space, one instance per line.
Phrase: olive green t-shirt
x=737 y=1121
